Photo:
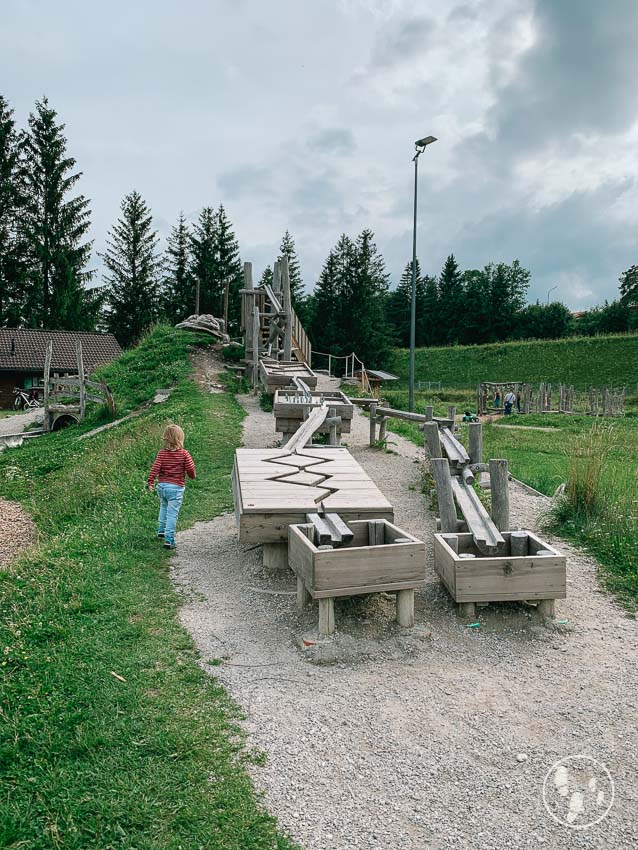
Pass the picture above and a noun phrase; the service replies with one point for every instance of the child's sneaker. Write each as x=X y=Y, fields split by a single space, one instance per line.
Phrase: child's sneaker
x=160 y=535
x=169 y=544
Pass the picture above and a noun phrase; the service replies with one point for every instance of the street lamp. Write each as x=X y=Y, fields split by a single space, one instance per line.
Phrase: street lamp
x=420 y=145
x=549 y=292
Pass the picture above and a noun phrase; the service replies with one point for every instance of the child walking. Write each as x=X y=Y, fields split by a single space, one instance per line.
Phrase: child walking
x=172 y=464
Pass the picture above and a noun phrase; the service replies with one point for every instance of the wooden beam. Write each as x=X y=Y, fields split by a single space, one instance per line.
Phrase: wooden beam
x=287 y=305
x=447 y=511
x=499 y=485
x=304 y=433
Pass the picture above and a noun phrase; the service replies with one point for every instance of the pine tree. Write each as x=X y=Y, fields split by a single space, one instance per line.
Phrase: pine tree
x=476 y=308
x=325 y=325
x=228 y=271
x=450 y=311
x=629 y=286
x=507 y=287
x=288 y=249
x=54 y=226
x=266 y=277
x=366 y=286
x=427 y=317
x=12 y=265
x=134 y=269
x=204 y=268
x=399 y=307
x=179 y=286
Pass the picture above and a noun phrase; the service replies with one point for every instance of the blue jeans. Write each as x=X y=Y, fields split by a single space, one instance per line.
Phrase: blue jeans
x=171 y=496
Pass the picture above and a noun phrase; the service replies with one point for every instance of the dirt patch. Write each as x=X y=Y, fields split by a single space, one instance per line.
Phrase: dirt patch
x=17 y=531
x=208 y=365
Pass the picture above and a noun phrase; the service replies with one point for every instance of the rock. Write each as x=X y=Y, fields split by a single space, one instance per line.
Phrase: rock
x=521 y=757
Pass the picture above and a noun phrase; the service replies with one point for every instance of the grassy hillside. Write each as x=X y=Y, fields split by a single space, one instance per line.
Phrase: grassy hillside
x=581 y=361
x=111 y=734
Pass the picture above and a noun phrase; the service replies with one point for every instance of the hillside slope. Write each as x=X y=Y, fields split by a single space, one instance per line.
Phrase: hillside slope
x=581 y=361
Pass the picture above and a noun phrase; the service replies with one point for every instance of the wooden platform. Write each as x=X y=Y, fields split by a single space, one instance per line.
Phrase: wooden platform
x=273 y=489
x=290 y=413
x=275 y=374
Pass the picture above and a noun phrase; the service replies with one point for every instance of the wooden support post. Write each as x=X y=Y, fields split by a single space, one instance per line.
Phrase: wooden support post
x=303 y=596
x=561 y=399
x=518 y=544
x=447 y=509
x=326 y=616
x=467 y=610
x=547 y=608
x=382 y=426
x=226 y=291
x=334 y=436
x=405 y=608
x=499 y=486
x=527 y=398
x=255 y=336
x=247 y=310
x=276 y=277
x=275 y=556
x=285 y=287
x=429 y=413
x=330 y=365
x=476 y=442
x=451 y=413
x=452 y=541
x=432 y=439
x=373 y=424
x=81 y=378
x=47 y=375
x=541 y=398
x=376 y=532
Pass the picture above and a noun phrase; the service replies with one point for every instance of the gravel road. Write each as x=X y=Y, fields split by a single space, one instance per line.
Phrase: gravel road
x=436 y=737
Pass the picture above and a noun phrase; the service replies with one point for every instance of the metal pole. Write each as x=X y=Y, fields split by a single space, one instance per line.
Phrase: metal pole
x=413 y=300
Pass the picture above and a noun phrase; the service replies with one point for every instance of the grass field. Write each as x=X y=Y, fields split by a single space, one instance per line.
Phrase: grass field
x=581 y=361
x=111 y=736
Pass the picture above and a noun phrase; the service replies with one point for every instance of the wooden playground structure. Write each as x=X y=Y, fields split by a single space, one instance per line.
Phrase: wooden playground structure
x=315 y=510
x=561 y=398
x=65 y=396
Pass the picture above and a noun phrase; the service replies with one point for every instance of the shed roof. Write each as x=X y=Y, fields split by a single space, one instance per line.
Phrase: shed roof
x=24 y=349
x=378 y=375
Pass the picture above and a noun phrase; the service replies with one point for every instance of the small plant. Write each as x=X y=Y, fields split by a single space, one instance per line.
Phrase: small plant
x=265 y=402
x=233 y=352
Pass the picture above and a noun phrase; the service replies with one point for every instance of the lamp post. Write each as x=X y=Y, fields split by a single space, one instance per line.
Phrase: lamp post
x=549 y=292
x=420 y=146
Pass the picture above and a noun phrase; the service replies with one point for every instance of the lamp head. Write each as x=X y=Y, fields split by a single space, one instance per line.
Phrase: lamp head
x=423 y=143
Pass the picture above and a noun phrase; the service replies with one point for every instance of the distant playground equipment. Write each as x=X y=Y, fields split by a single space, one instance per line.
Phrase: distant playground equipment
x=562 y=398
x=65 y=396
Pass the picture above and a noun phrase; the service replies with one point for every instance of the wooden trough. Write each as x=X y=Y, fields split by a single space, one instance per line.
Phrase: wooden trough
x=290 y=410
x=525 y=569
x=275 y=488
x=380 y=557
x=277 y=374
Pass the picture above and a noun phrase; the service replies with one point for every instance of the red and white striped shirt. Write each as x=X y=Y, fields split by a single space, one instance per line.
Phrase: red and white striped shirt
x=172 y=467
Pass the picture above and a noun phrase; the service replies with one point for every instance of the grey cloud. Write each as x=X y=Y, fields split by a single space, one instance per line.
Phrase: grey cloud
x=335 y=140
x=578 y=77
x=403 y=39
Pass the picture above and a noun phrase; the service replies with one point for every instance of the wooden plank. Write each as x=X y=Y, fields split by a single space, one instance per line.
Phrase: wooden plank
x=323 y=532
x=340 y=532
x=389 y=587
x=486 y=535
x=305 y=432
x=454 y=450
x=369 y=565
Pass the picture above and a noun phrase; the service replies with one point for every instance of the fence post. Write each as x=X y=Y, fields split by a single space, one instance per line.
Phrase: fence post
x=500 y=494
x=432 y=439
x=373 y=424
x=476 y=442
x=285 y=286
x=429 y=413
x=451 y=413
x=256 y=334
x=447 y=509
x=330 y=365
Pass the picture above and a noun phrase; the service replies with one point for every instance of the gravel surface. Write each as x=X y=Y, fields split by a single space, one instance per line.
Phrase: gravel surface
x=18 y=422
x=436 y=737
x=17 y=530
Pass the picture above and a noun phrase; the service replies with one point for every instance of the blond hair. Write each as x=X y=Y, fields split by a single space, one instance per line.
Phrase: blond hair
x=173 y=437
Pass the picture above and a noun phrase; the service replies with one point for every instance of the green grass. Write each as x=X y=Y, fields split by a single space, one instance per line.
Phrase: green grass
x=545 y=459
x=581 y=361
x=88 y=760
x=5 y=413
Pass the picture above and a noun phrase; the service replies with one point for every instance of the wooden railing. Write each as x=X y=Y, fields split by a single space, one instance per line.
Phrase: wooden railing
x=300 y=341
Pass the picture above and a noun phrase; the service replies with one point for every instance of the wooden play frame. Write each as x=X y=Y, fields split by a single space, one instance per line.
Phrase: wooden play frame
x=289 y=415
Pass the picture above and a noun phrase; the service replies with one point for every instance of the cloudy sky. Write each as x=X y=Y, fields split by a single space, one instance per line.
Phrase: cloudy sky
x=301 y=114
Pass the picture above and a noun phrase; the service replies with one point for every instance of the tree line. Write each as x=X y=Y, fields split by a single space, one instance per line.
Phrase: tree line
x=46 y=282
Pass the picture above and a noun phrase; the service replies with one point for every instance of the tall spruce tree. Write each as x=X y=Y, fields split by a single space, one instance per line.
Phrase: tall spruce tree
x=629 y=286
x=54 y=227
x=507 y=286
x=366 y=285
x=179 y=287
x=12 y=251
x=228 y=271
x=325 y=325
x=266 y=277
x=133 y=272
x=287 y=249
x=399 y=307
x=203 y=252
x=450 y=302
x=427 y=317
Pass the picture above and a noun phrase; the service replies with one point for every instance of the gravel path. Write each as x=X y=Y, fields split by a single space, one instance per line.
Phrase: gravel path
x=17 y=530
x=437 y=737
x=18 y=422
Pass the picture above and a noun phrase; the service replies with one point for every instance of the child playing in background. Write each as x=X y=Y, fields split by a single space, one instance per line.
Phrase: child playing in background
x=172 y=464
